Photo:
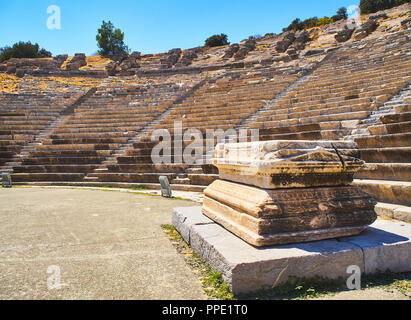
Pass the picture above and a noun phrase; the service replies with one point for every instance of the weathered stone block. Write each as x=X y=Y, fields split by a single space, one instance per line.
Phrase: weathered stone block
x=247 y=268
x=281 y=192
x=288 y=164
x=344 y=35
x=270 y=217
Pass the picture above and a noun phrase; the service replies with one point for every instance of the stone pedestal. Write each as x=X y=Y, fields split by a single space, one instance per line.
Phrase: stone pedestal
x=281 y=192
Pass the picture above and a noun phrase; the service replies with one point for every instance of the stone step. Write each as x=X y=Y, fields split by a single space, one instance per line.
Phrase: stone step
x=78 y=168
x=133 y=177
x=394 y=211
x=386 y=171
x=72 y=141
x=147 y=168
x=70 y=153
x=30 y=177
x=396 y=192
x=383 y=141
x=181 y=181
x=153 y=186
x=395 y=118
x=202 y=179
x=388 y=155
x=63 y=160
x=391 y=128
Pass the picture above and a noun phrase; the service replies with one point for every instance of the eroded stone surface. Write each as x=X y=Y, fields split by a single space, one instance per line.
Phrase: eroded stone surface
x=288 y=164
x=266 y=217
x=385 y=245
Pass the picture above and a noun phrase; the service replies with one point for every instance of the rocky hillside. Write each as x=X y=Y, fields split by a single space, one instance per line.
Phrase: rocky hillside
x=289 y=48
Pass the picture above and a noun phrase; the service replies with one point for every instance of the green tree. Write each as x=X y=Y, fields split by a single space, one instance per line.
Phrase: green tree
x=23 y=50
x=400 y=2
x=342 y=13
x=110 y=40
x=295 y=25
x=310 y=22
x=372 y=6
x=217 y=40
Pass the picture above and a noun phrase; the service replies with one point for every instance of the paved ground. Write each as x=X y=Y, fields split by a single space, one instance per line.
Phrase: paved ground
x=94 y=244
x=367 y=294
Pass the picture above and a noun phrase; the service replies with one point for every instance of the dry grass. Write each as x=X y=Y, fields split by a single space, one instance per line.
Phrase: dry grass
x=61 y=84
x=9 y=83
x=96 y=63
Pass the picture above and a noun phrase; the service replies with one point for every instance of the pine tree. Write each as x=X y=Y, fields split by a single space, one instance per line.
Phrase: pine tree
x=110 y=40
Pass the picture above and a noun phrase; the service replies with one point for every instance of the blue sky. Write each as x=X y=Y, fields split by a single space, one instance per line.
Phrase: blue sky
x=152 y=26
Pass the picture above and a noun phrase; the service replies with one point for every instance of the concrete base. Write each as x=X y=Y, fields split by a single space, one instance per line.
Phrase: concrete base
x=385 y=245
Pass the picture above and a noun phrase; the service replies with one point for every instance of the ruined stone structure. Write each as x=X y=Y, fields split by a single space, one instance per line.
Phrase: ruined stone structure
x=88 y=121
x=280 y=192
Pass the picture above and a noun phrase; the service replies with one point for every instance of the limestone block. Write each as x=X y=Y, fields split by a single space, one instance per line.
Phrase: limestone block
x=386 y=246
x=264 y=217
x=288 y=164
x=247 y=268
x=183 y=221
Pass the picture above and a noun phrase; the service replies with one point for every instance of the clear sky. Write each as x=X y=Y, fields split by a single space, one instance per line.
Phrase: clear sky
x=152 y=26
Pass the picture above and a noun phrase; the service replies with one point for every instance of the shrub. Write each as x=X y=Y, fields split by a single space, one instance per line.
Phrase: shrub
x=217 y=40
x=341 y=14
x=372 y=6
x=23 y=50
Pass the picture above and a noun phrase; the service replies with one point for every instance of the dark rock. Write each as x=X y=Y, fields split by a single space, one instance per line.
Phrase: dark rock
x=60 y=59
x=379 y=16
x=231 y=50
x=303 y=37
x=366 y=28
x=20 y=73
x=250 y=44
x=78 y=61
x=344 y=35
x=188 y=57
x=406 y=23
x=135 y=55
x=282 y=45
x=241 y=54
x=172 y=57
x=289 y=36
x=298 y=45
x=313 y=52
x=11 y=69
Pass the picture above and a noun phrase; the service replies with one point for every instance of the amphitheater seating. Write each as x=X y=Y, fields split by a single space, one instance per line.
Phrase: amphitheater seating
x=217 y=104
x=24 y=116
x=344 y=90
x=359 y=90
x=387 y=151
x=103 y=124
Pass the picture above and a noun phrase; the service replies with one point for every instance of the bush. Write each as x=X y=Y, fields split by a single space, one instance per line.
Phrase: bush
x=110 y=40
x=341 y=15
x=324 y=21
x=217 y=40
x=294 y=26
x=372 y=6
x=23 y=50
